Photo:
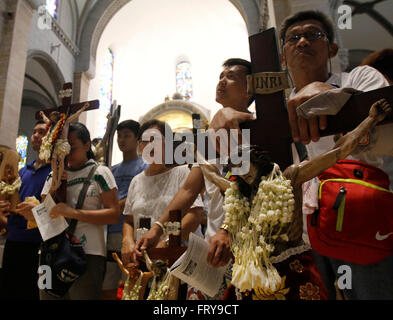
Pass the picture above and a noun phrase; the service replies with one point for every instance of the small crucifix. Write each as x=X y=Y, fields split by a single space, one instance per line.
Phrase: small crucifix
x=54 y=145
x=271 y=130
x=174 y=249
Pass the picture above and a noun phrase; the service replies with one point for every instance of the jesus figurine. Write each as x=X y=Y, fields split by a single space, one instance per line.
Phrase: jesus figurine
x=55 y=146
x=264 y=209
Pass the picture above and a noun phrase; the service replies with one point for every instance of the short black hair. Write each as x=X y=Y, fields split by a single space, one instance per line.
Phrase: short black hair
x=238 y=62
x=133 y=125
x=83 y=135
x=161 y=125
x=39 y=122
x=308 y=15
x=381 y=60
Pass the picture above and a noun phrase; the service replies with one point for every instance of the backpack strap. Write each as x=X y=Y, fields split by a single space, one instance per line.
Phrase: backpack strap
x=81 y=199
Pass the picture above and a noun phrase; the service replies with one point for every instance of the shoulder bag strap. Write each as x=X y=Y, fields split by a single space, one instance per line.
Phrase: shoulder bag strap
x=81 y=199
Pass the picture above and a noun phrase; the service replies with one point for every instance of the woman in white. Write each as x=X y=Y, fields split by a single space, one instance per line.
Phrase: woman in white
x=152 y=190
x=101 y=207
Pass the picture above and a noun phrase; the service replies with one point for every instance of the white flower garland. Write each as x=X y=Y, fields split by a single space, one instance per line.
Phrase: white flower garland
x=160 y=292
x=10 y=189
x=254 y=230
x=173 y=228
x=46 y=147
x=132 y=294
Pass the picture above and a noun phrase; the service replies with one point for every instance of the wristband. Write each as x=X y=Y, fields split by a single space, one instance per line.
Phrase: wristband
x=160 y=225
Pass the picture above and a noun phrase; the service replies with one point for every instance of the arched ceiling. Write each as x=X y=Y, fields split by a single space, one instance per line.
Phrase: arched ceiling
x=95 y=15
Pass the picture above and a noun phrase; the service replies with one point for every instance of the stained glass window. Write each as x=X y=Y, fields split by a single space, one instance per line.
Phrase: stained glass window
x=184 y=79
x=51 y=7
x=21 y=146
x=105 y=94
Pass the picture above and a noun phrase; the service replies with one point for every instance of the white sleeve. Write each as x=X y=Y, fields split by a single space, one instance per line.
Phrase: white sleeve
x=105 y=179
x=365 y=78
x=47 y=185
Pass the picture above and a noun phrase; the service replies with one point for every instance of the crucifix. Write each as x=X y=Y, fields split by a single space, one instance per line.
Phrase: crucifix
x=104 y=148
x=271 y=130
x=10 y=181
x=174 y=249
x=57 y=120
x=158 y=260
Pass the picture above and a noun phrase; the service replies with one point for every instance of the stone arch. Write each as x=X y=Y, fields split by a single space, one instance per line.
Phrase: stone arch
x=103 y=11
x=176 y=105
x=32 y=100
x=50 y=66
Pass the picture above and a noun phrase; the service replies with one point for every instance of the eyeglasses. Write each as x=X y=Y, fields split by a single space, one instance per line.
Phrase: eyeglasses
x=310 y=36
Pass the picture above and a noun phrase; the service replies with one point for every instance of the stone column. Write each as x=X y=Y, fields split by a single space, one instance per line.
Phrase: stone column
x=15 y=20
x=81 y=91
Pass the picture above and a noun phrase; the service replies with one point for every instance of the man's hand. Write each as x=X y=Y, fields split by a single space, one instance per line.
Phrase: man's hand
x=380 y=109
x=219 y=252
x=228 y=118
x=302 y=129
x=25 y=209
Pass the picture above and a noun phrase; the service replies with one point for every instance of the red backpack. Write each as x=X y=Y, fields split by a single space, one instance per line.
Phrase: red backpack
x=354 y=222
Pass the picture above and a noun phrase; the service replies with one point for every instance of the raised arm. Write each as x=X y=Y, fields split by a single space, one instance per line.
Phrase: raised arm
x=343 y=147
x=45 y=118
x=76 y=114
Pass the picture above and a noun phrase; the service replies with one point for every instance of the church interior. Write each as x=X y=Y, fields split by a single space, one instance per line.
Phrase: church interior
x=157 y=59
x=145 y=65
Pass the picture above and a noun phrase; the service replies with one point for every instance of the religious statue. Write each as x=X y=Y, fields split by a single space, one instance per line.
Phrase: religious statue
x=164 y=286
x=103 y=146
x=264 y=207
x=10 y=182
x=55 y=146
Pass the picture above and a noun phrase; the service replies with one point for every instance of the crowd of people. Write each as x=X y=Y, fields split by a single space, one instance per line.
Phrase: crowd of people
x=120 y=200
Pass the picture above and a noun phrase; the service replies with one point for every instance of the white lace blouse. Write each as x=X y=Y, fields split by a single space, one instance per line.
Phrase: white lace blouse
x=149 y=196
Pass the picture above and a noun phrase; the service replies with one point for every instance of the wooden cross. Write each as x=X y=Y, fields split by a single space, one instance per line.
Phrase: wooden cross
x=104 y=148
x=271 y=130
x=113 y=120
x=174 y=250
x=68 y=108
